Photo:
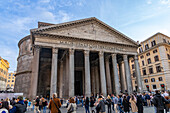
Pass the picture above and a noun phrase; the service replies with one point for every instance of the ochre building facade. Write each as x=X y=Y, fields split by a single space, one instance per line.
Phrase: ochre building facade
x=75 y=58
x=154 y=61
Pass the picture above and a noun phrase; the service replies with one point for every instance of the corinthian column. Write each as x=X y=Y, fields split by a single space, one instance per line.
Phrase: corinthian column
x=87 y=74
x=35 y=70
x=102 y=73
x=53 y=87
x=108 y=78
x=71 y=72
x=138 y=75
x=61 y=80
x=116 y=76
x=97 y=78
x=128 y=76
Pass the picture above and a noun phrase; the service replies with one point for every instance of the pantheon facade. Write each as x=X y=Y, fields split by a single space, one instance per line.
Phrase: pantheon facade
x=75 y=58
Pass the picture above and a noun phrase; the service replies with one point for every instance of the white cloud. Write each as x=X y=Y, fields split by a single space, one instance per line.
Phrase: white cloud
x=44 y=1
x=165 y=2
x=64 y=16
x=149 y=1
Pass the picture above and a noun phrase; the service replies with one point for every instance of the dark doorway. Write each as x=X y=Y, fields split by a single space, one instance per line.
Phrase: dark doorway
x=78 y=83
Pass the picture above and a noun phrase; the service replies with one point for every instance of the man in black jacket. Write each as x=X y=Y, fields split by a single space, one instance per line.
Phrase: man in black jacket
x=19 y=107
x=159 y=102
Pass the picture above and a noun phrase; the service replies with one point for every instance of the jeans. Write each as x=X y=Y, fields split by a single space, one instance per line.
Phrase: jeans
x=120 y=109
x=44 y=109
x=87 y=109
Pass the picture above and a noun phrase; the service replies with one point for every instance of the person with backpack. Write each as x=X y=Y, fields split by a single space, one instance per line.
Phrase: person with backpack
x=126 y=105
x=159 y=102
x=72 y=106
x=55 y=104
x=147 y=97
x=19 y=107
x=101 y=105
x=140 y=103
x=87 y=105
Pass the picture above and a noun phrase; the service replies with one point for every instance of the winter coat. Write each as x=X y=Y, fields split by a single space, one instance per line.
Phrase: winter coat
x=126 y=105
x=52 y=106
x=74 y=107
x=19 y=107
x=140 y=104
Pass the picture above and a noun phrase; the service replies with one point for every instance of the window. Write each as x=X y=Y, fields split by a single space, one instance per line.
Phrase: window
x=152 y=79
x=147 y=54
x=8 y=80
x=143 y=63
x=158 y=68
x=155 y=51
x=168 y=56
x=144 y=71
x=135 y=82
x=12 y=80
x=9 y=77
x=156 y=58
x=164 y=40
x=146 y=47
x=12 y=85
x=160 y=79
x=8 y=85
x=146 y=80
x=149 y=61
x=150 y=70
x=154 y=86
x=13 y=74
x=134 y=75
x=9 y=74
x=140 y=50
x=12 y=77
x=133 y=66
x=141 y=56
x=153 y=43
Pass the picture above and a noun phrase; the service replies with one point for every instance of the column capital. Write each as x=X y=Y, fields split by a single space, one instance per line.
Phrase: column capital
x=136 y=57
x=125 y=57
x=71 y=51
x=55 y=50
x=86 y=52
x=101 y=53
x=113 y=54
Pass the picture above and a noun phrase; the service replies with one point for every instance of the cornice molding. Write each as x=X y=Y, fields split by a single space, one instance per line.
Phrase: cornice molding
x=23 y=39
x=23 y=72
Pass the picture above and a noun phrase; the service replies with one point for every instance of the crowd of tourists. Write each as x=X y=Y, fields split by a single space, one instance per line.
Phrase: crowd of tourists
x=122 y=103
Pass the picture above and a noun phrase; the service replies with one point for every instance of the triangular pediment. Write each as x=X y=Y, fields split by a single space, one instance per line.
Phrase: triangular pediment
x=93 y=29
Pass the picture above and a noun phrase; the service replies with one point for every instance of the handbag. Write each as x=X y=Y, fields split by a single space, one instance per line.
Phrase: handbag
x=56 y=107
x=71 y=109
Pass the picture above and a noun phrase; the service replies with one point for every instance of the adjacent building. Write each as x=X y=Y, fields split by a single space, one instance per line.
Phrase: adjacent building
x=10 y=82
x=75 y=58
x=154 y=61
x=4 y=66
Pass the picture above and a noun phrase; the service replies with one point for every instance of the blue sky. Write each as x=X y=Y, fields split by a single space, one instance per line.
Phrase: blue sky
x=138 y=19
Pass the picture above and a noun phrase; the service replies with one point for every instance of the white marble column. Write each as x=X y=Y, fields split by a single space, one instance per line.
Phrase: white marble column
x=102 y=74
x=108 y=77
x=61 y=80
x=67 y=75
x=138 y=75
x=71 y=72
x=116 y=76
x=122 y=77
x=128 y=75
x=97 y=78
x=87 y=74
x=93 y=80
x=53 y=87
x=35 y=70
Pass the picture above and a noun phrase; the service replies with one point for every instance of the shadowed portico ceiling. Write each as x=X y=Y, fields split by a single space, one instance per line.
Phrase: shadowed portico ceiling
x=87 y=29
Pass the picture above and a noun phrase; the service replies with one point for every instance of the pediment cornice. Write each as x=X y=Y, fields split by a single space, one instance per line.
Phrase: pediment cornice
x=73 y=23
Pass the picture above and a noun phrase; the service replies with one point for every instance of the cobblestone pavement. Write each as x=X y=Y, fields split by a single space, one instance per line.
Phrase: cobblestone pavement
x=82 y=110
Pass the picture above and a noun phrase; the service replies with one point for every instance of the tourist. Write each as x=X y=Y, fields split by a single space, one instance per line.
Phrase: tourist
x=44 y=104
x=126 y=105
x=114 y=103
x=133 y=104
x=101 y=105
x=159 y=102
x=55 y=104
x=40 y=103
x=92 y=101
x=33 y=104
x=140 y=103
x=19 y=107
x=37 y=105
x=29 y=105
x=109 y=103
x=5 y=104
x=72 y=106
x=147 y=97
x=120 y=103
x=87 y=105
x=26 y=102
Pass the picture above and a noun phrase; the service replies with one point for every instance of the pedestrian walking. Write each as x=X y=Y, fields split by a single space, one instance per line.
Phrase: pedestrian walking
x=72 y=106
x=92 y=101
x=101 y=105
x=159 y=102
x=133 y=104
x=19 y=107
x=87 y=105
x=114 y=103
x=55 y=104
x=140 y=103
x=37 y=105
x=120 y=103
x=126 y=105
x=109 y=103
x=44 y=104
